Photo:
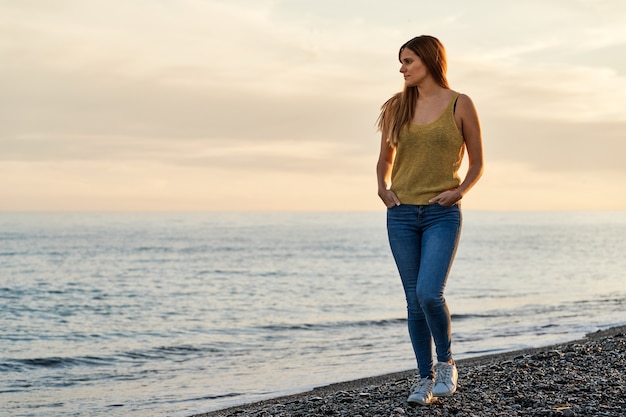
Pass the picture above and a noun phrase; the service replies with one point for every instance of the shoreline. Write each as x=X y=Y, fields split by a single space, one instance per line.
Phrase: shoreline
x=583 y=377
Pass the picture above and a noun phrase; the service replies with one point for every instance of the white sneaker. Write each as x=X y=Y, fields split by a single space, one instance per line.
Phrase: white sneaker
x=421 y=392
x=446 y=377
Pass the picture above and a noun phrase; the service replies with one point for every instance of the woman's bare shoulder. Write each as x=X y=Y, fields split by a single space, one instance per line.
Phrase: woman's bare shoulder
x=465 y=103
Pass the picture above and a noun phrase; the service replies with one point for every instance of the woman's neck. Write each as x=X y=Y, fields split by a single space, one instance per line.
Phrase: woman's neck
x=429 y=90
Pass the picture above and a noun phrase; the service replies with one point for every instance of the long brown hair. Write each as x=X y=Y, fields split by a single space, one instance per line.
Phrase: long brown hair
x=399 y=109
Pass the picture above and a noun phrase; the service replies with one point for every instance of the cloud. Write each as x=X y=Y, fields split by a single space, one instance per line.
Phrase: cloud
x=517 y=186
x=536 y=92
x=553 y=146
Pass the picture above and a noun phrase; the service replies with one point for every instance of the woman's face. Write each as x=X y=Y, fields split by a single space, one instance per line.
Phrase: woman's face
x=412 y=68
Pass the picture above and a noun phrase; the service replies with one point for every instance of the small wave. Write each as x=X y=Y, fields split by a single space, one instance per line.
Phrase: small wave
x=601 y=301
x=367 y=323
x=47 y=362
x=157 y=353
x=195 y=249
x=482 y=352
x=140 y=355
x=183 y=349
x=339 y=324
x=10 y=293
x=221 y=272
x=159 y=249
x=458 y=317
x=52 y=362
x=169 y=352
x=13 y=236
x=209 y=397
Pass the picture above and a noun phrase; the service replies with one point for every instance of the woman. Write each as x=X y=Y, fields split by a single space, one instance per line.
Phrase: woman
x=425 y=130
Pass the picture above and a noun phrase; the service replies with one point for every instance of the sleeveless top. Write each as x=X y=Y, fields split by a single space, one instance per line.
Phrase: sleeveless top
x=428 y=157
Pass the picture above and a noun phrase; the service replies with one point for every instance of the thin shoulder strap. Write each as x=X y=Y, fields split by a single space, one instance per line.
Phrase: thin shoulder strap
x=455 y=100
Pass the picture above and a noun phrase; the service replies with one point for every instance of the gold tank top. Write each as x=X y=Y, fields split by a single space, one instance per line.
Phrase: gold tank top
x=428 y=157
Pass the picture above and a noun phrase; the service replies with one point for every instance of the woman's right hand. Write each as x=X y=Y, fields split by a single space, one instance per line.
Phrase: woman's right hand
x=389 y=198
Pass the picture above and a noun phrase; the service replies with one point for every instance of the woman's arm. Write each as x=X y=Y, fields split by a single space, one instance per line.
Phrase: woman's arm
x=383 y=173
x=473 y=142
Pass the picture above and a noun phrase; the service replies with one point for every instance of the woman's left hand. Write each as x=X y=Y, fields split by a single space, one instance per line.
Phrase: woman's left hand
x=447 y=198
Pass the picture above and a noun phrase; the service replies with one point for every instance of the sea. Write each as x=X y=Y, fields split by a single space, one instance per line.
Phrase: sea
x=173 y=314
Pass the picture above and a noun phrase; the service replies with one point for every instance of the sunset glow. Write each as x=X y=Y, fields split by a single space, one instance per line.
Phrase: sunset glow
x=271 y=105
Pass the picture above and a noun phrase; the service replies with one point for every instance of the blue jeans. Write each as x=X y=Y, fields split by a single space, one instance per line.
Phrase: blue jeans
x=423 y=242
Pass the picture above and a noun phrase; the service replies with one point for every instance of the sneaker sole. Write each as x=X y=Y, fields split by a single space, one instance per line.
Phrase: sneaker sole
x=445 y=394
x=413 y=403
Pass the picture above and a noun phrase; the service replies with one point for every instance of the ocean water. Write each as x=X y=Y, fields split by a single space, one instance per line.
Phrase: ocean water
x=171 y=314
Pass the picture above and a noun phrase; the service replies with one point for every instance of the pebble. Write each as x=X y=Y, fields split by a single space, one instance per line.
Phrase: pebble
x=581 y=378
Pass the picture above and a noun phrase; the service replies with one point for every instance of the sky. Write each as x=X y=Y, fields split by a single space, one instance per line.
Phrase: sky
x=244 y=105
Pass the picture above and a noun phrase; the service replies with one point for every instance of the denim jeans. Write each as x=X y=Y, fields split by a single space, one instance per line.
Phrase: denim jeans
x=423 y=241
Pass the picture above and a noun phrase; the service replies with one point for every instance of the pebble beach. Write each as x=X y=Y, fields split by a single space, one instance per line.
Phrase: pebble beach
x=583 y=377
